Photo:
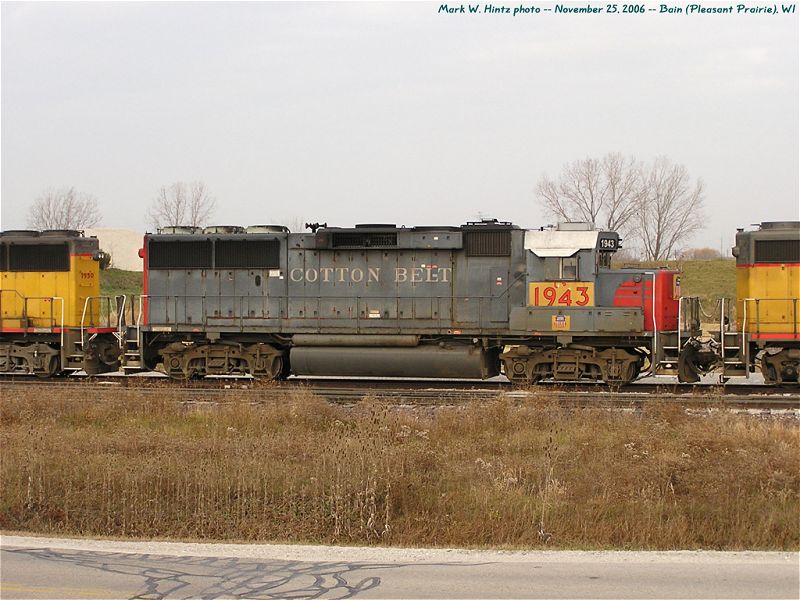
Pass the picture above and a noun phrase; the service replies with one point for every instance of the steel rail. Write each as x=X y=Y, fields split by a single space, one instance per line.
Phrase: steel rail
x=417 y=393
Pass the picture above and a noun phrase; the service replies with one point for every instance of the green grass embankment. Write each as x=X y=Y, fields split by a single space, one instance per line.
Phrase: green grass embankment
x=114 y=282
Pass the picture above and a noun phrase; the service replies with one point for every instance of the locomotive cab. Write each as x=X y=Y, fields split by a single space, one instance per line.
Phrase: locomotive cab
x=589 y=321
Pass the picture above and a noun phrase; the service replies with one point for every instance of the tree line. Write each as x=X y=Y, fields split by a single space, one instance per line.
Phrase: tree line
x=180 y=203
x=656 y=205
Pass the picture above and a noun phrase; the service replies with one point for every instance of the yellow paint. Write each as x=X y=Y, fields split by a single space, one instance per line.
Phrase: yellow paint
x=31 y=294
x=561 y=293
x=777 y=289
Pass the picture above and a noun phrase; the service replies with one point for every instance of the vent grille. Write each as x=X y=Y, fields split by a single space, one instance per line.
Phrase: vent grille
x=364 y=240
x=240 y=254
x=53 y=257
x=487 y=243
x=777 y=251
x=3 y=257
x=179 y=254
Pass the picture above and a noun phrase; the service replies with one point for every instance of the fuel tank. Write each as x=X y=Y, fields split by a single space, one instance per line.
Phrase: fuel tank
x=448 y=361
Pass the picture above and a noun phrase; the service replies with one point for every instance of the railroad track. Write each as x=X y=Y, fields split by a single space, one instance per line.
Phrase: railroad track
x=417 y=392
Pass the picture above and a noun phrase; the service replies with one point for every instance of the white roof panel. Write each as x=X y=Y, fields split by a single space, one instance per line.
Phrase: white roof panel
x=552 y=242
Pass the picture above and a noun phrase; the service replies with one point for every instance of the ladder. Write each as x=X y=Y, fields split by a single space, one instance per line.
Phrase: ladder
x=734 y=351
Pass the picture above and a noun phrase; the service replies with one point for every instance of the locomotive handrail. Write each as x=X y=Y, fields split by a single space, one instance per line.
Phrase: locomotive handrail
x=121 y=317
x=139 y=322
x=24 y=316
x=172 y=301
x=722 y=331
x=509 y=285
x=86 y=304
x=758 y=301
x=21 y=297
x=654 y=349
x=61 y=299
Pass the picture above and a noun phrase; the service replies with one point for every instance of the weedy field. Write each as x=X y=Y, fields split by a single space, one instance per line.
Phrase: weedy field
x=503 y=474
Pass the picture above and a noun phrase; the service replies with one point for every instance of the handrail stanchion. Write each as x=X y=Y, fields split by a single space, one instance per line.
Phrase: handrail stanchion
x=745 y=357
x=139 y=323
x=83 y=318
x=680 y=315
x=61 y=336
x=722 y=332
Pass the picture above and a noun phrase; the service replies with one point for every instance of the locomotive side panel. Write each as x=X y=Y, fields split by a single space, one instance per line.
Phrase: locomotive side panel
x=768 y=281
x=214 y=284
x=37 y=270
x=388 y=280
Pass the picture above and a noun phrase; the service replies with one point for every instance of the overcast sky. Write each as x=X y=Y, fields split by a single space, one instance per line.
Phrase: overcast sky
x=388 y=112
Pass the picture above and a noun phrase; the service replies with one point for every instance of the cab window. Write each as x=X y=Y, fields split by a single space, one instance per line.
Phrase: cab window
x=565 y=268
x=569 y=268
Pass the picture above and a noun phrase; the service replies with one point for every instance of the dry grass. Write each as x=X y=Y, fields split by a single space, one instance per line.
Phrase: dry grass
x=497 y=474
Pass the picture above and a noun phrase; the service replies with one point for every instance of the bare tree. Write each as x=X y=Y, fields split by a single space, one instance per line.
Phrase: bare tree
x=700 y=254
x=606 y=192
x=182 y=204
x=672 y=211
x=63 y=208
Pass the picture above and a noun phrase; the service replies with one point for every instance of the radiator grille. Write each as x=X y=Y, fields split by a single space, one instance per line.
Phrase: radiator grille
x=179 y=254
x=364 y=240
x=3 y=257
x=777 y=251
x=250 y=254
x=53 y=257
x=487 y=243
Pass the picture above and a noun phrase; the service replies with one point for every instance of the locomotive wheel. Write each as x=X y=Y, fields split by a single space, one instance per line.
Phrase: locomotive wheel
x=275 y=367
x=150 y=359
x=50 y=370
x=267 y=362
x=782 y=367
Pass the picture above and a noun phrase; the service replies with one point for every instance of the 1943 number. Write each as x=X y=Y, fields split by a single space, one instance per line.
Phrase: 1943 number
x=561 y=294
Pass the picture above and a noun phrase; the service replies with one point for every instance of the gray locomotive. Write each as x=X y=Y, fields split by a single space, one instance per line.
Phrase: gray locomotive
x=381 y=300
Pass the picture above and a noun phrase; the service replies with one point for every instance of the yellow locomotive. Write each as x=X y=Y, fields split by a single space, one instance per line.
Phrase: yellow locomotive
x=52 y=317
x=765 y=334
x=768 y=298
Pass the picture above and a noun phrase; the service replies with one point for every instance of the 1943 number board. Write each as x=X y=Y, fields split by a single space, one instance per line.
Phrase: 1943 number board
x=561 y=293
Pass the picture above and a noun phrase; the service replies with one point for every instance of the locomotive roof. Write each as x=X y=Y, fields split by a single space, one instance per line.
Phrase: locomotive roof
x=554 y=242
x=47 y=235
x=222 y=230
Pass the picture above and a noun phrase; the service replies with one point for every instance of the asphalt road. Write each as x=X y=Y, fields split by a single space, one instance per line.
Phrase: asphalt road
x=61 y=568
